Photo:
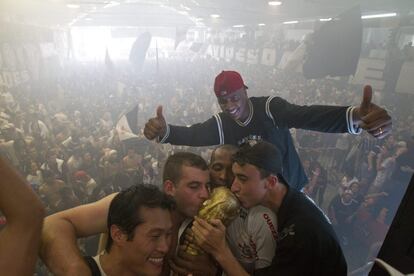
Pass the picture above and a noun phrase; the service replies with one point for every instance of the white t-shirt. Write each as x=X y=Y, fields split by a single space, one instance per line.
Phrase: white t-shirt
x=98 y=263
x=252 y=237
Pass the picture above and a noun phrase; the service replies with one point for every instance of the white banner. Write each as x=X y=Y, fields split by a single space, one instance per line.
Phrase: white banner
x=19 y=62
x=264 y=56
x=369 y=71
x=405 y=82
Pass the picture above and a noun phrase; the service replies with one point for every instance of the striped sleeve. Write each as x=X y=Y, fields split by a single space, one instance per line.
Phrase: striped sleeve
x=267 y=109
x=167 y=133
x=219 y=128
x=352 y=127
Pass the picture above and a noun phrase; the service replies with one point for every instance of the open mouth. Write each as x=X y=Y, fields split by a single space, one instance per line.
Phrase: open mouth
x=156 y=261
x=233 y=112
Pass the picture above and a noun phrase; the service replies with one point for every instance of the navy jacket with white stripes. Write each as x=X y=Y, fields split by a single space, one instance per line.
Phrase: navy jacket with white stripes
x=270 y=119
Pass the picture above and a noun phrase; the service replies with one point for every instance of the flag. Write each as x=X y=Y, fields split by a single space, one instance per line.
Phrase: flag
x=139 y=50
x=127 y=125
x=180 y=35
x=334 y=49
x=108 y=62
x=156 y=56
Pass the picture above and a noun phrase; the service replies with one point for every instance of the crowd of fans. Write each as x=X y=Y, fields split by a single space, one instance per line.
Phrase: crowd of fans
x=61 y=136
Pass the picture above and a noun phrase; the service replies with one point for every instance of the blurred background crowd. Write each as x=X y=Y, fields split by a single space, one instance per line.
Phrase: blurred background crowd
x=63 y=138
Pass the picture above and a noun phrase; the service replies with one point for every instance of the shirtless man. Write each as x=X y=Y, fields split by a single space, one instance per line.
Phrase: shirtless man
x=185 y=178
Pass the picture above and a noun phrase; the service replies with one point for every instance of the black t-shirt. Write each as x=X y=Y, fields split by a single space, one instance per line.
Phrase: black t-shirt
x=92 y=265
x=343 y=211
x=306 y=244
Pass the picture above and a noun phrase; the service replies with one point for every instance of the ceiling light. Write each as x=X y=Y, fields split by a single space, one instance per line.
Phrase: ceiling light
x=185 y=7
x=238 y=26
x=274 y=3
x=111 y=4
x=195 y=2
x=261 y=24
x=325 y=19
x=381 y=15
x=215 y=15
x=72 y=6
x=291 y=22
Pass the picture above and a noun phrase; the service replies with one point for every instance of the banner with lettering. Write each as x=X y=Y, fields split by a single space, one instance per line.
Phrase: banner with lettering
x=20 y=53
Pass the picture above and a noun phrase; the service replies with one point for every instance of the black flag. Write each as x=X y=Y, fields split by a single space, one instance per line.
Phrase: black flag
x=334 y=49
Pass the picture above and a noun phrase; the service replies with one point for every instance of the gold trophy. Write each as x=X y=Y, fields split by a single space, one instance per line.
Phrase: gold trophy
x=222 y=205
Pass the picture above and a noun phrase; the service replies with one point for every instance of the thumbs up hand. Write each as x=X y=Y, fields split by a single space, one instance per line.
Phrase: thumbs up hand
x=159 y=113
x=371 y=117
x=156 y=126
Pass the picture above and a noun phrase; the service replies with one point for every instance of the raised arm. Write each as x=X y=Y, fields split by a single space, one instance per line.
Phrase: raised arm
x=201 y=134
x=24 y=213
x=371 y=117
x=368 y=116
x=156 y=127
x=59 y=249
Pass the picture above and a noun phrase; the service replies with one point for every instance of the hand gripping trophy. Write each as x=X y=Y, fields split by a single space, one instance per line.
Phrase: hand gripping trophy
x=222 y=205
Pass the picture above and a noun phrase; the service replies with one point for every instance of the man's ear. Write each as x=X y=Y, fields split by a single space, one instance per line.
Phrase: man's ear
x=169 y=187
x=271 y=182
x=117 y=235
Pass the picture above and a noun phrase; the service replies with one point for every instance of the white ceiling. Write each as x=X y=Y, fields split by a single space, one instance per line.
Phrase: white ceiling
x=179 y=13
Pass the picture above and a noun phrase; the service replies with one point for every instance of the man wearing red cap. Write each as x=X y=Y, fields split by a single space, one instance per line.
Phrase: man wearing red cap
x=269 y=118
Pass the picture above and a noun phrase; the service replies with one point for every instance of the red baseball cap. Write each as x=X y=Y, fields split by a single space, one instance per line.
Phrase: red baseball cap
x=227 y=82
x=80 y=175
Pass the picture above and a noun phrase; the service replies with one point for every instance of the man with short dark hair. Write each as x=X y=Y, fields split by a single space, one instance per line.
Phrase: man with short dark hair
x=186 y=179
x=139 y=226
x=252 y=235
x=341 y=211
x=306 y=243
